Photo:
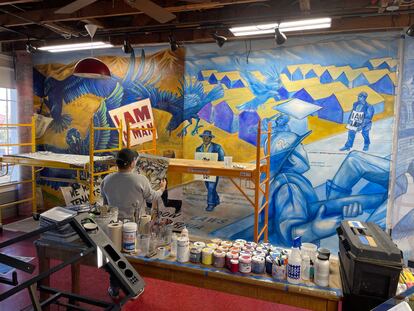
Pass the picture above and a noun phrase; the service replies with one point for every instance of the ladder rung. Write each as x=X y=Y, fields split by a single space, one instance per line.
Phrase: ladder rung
x=261 y=232
x=263 y=206
x=264 y=181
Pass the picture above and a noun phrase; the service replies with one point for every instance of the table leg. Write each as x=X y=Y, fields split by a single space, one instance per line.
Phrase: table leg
x=44 y=265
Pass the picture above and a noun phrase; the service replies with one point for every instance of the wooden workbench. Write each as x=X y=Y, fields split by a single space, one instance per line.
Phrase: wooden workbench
x=308 y=296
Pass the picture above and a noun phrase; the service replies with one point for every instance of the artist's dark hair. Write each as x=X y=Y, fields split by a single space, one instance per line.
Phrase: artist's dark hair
x=125 y=157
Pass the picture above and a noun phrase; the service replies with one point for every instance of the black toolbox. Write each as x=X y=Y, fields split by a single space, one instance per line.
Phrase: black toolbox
x=371 y=263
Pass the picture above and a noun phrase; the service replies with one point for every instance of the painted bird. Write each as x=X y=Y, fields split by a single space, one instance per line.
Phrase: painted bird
x=194 y=98
x=262 y=91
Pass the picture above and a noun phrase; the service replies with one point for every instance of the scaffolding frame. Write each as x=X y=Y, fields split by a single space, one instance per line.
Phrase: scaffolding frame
x=33 y=163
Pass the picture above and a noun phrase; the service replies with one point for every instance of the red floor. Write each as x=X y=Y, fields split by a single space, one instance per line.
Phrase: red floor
x=158 y=295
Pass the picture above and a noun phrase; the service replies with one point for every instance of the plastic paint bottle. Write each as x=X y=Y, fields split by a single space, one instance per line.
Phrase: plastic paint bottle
x=294 y=263
x=305 y=267
x=184 y=233
x=322 y=270
x=174 y=245
x=129 y=236
x=183 y=250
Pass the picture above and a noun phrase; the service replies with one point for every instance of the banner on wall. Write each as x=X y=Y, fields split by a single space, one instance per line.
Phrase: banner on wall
x=138 y=115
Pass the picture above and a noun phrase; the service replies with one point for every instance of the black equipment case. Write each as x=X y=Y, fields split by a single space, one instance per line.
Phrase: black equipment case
x=370 y=262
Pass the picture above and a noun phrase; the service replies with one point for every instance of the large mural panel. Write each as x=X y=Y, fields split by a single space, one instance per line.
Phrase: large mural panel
x=75 y=102
x=403 y=212
x=330 y=101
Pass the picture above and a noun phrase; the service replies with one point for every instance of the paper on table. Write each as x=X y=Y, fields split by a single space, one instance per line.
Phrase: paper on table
x=58 y=214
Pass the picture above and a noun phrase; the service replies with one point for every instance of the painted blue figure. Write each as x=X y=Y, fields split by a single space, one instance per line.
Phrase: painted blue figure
x=360 y=120
x=213 y=198
x=296 y=210
x=279 y=123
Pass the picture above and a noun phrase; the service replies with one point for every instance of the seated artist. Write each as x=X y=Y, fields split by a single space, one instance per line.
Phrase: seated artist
x=128 y=191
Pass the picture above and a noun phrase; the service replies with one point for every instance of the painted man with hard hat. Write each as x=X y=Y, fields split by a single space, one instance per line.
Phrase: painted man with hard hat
x=213 y=198
x=360 y=120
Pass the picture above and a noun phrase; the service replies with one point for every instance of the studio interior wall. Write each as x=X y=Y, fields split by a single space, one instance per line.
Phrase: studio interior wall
x=306 y=89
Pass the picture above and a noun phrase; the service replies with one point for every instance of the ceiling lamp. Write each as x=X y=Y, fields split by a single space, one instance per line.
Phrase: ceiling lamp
x=299 y=25
x=220 y=40
x=127 y=47
x=30 y=48
x=173 y=43
x=280 y=37
x=410 y=31
x=76 y=47
x=91 y=67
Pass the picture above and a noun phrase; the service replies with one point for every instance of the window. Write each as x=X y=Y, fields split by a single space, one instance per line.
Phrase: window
x=8 y=114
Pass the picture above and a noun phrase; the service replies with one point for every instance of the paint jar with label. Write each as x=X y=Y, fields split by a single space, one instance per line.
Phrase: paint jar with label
x=229 y=257
x=294 y=272
x=207 y=256
x=322 y=270
x=219 y=258
x=199 y=244
x=245 y=264
x=258 y=264
x=212 y=245
x=227 y=244
x=234 y=265
x=129 y=237
x=195 y=255
x=183 y=251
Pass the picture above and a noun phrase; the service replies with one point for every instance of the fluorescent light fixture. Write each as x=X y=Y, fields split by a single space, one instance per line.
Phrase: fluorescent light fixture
x=76 y=47
x=306 y=24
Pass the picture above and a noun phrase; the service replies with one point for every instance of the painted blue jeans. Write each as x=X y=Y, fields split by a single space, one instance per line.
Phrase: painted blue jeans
x=212 y=195
x=351 y=138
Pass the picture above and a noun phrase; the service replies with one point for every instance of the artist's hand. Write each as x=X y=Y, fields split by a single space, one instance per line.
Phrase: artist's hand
x=163 y=184
x=352 y=210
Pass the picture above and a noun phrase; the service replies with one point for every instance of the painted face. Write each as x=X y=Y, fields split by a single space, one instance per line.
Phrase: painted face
x=206 y=140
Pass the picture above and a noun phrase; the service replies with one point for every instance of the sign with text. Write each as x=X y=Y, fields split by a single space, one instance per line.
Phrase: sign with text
x=80 y=195
x=138 y=115
x=206 y=156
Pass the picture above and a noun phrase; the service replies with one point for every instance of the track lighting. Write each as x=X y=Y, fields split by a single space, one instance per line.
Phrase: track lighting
x=173 y=43
x=30 y=48
x=127 y=47
x=410 y=31
x=280 y=37
x=220 y=40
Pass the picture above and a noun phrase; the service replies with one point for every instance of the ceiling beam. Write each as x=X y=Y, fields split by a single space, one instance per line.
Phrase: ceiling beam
x=7 y=2
x=142 y=37
x=101 y=10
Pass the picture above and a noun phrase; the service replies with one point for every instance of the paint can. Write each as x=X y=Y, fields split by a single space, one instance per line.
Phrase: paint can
x=162 y=252
x=216 y=241
x=227 y=244
x=229 y=257
x=219 y=258
x=259 y=254
x=245 y=264
x=235 y=249
x=261 y=249
x=223 y=248
x=183 y=252
x=199 y=244
x=195 y=255
x=241 y=241
x=234 y=265
x=212 y=245
x=251 y=244
x=238 y=245
x=207 y=256
x=129 y=236
x=268 y=264
x=258 y=264
x=246 y=253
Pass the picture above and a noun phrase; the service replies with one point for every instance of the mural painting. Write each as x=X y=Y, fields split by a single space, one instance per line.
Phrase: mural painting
x=329 y=101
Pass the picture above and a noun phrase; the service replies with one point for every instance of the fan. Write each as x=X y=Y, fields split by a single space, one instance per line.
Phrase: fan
x=150 y=8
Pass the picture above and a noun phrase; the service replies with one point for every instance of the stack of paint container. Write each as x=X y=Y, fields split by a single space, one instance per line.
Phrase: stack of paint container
x=248 y=257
